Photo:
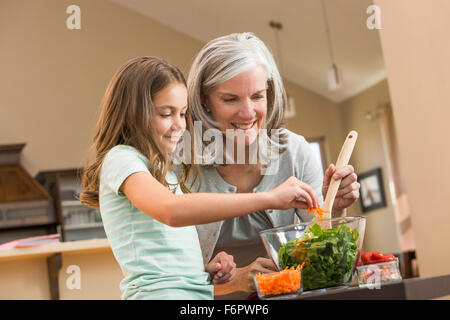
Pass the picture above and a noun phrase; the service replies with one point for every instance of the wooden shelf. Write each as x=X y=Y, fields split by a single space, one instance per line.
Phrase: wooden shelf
x=72 y=247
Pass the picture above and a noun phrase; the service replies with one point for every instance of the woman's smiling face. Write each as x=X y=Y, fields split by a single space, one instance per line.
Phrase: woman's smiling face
x=240 y=104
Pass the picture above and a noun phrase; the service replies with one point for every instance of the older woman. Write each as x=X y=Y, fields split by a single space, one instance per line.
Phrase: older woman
x=234 y=87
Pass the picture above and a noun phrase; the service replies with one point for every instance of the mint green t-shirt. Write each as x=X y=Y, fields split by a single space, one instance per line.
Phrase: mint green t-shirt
x=157 y=261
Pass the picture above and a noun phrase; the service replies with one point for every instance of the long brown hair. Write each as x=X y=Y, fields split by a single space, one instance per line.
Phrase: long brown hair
x=125 y=118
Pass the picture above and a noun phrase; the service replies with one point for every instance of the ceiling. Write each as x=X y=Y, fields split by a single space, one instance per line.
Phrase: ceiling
x=303 y=43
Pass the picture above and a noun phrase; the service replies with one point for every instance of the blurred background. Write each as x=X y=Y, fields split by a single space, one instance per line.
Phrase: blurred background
x=391 y=85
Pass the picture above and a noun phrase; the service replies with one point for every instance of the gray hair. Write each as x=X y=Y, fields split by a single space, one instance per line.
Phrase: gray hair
x=224 y=58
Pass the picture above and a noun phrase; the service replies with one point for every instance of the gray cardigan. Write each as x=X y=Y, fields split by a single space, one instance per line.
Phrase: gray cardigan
x=299 y=161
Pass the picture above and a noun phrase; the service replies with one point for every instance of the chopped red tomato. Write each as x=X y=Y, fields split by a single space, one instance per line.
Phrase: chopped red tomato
x=366 y=257
x=376 y=257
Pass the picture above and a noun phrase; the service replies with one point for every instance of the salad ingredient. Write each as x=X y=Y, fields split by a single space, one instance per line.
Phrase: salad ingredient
x=374 y=274
x=329 y=256
x=317 y=213
x=307 y=239
x=284 y=281
x=365 y=257
x=376 y=257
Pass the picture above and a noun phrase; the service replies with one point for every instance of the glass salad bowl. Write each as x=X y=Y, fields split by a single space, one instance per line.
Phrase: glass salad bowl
x=328 y=250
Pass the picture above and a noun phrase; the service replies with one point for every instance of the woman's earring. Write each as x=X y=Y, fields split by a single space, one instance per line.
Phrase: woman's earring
x=207 y=110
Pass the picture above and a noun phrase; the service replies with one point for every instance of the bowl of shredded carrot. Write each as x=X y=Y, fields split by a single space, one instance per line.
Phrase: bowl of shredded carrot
x=278 y=284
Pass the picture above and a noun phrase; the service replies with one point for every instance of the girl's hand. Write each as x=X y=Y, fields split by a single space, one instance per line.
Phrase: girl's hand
x=348 y=191
x=222 y=268
x=286 y=194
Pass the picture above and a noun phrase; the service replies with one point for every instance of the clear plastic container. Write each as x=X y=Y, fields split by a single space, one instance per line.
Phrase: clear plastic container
x=292 y=287
x=374 y=275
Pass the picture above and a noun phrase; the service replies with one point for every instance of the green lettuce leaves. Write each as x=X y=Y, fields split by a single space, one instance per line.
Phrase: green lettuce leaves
x=329 y=257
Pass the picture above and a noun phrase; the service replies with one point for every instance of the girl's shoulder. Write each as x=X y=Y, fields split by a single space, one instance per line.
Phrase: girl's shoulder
x=125 y=152
x=122 y=149
x=122 y=158
x=120 y=162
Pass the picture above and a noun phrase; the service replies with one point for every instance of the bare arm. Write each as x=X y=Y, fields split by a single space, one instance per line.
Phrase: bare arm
x=226 y=288
x=154 y=199
x=243 y=281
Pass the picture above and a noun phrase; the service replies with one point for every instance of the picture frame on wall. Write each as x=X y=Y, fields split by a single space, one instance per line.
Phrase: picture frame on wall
x=372 y=190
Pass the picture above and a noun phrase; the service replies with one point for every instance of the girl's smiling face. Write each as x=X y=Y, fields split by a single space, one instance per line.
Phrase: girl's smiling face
x=169 y=118
x=240 y=104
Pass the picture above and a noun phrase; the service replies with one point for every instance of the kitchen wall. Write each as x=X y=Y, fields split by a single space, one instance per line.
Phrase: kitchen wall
x=316 y=117
x=416 y=53
x=382 y=232
x=53 y=80
x=319 y=117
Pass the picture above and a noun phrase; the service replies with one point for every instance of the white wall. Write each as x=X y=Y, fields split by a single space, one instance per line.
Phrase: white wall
x=416 y=48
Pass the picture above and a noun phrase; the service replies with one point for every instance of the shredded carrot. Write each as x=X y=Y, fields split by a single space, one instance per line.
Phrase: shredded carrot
x=317 y=212
x=279 y=282
x=307 y=239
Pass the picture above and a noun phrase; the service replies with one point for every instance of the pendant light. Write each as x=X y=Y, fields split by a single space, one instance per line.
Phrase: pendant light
x=334 y=77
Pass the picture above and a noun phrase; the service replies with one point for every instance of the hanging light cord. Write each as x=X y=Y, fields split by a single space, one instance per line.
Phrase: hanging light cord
x=276 y=26
x=327 y=31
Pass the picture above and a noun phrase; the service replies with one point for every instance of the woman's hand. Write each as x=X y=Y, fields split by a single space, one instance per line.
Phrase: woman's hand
x=348 y=191
x=221 y=268
x=244 y=276
x=286 y=194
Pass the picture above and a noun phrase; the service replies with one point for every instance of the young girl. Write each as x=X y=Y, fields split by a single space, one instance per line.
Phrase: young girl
x=147 y=218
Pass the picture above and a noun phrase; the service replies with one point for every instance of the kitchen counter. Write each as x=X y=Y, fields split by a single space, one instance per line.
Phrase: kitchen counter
x=408 y=289
x=44 y=272
x=43 y=251
x=50 y=271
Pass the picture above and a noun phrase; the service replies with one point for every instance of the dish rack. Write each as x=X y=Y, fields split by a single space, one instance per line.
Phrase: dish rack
x=76 y=221
x=26 y=208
